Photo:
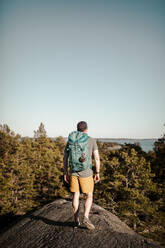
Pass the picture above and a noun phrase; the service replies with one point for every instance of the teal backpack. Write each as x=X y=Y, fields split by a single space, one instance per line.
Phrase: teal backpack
x=79 y=159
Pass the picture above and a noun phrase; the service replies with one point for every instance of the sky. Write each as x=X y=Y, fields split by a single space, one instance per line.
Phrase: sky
x=65 y=61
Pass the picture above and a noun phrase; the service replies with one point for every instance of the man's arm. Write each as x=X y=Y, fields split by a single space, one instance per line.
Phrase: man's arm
x=65 y=162
x=97 y=164
x=97 y=160
x=65 y=165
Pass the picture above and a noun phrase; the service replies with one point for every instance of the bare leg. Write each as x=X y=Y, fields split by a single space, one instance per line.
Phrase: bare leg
x=88 y=203
x=75 y=204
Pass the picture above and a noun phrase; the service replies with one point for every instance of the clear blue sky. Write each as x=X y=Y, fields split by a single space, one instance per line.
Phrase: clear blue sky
x=99 y=61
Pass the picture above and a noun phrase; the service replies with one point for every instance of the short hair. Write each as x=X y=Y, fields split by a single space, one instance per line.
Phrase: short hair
x=81 y=126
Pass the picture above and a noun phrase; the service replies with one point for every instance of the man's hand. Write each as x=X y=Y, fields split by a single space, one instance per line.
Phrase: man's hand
x=97 y=178
x=66 y=178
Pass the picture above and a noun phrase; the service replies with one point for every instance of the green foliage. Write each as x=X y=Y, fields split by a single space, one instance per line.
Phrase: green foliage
x=30 y=171
x=158 y=163
x=130 y=190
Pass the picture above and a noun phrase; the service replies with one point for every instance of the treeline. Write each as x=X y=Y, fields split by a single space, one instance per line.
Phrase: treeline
x=132 y=181
x=31 y=170
x=133 y=187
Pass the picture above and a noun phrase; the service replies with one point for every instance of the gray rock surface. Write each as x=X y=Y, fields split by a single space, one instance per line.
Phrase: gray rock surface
x=53 y=226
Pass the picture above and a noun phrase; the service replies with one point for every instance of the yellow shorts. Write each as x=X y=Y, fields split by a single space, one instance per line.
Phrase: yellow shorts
x=86 y=184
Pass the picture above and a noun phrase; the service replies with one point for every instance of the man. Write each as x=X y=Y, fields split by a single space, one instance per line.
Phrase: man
x=83 y=178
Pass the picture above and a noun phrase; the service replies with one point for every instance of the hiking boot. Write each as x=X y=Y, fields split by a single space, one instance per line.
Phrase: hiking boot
x=77 y=224
x=76 y=220
x=88 y=223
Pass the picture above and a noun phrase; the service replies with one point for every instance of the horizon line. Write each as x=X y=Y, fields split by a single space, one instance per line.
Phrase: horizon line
x=100 y=138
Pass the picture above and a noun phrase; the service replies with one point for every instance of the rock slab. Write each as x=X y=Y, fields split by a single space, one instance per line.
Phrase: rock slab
x=53 y=226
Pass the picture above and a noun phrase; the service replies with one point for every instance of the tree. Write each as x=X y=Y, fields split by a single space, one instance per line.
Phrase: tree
x=158 y=163
x=41 y=132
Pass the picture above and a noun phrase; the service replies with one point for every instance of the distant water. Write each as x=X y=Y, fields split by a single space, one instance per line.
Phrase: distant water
x=146 y=144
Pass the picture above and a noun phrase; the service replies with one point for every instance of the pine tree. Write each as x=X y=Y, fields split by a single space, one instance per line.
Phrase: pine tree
x=41 y=132
x=158 y=164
